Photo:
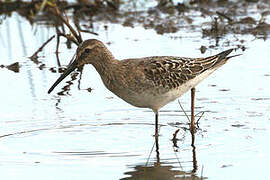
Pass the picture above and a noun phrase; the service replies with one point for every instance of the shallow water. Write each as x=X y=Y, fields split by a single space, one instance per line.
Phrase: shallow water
x=96 y=135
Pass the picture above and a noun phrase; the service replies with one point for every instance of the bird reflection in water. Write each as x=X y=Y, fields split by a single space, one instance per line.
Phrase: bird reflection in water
x=161 y=170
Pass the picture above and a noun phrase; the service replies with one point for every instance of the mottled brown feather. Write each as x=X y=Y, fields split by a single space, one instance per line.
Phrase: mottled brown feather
x=171 y=72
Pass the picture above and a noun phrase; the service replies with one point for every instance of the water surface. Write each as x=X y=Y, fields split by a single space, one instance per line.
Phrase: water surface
x=96 y=135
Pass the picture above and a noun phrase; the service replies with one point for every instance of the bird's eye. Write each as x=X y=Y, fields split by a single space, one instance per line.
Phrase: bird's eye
x=87 y=50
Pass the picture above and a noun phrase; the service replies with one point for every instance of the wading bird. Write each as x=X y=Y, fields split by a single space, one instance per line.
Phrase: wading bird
x=149 y=82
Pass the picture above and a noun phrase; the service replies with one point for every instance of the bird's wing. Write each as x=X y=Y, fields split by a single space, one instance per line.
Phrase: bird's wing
x=171 y=72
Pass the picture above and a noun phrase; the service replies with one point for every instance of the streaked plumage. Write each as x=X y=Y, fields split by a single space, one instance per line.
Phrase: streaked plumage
x=149 y=82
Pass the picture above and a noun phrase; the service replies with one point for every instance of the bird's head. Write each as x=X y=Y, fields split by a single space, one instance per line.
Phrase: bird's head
x=90 y=51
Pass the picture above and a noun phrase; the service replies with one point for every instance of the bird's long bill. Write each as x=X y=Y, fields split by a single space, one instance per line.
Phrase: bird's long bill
x=70 y=68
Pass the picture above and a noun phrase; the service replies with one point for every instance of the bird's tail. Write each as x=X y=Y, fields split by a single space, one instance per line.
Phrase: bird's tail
x=223 y=57
x=229 y=57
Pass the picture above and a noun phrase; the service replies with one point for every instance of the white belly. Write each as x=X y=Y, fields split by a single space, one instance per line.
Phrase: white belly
x=154 y=101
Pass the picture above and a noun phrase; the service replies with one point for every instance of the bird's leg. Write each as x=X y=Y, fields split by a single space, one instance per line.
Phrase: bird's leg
x=156 y=124
x=192 y=123
x=157 y=151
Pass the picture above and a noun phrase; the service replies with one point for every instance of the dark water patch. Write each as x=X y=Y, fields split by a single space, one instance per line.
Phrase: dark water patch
x=227 y=165
x=238 y=125
x=260 y=99
x=224 y=90
x=15 y=67
x=159 y=171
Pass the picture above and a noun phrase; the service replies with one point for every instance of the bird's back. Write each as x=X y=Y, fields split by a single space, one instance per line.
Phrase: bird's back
x=152 y=82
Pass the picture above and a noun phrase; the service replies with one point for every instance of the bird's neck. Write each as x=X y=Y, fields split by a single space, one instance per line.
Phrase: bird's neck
x=106 y=67
x=104 y=63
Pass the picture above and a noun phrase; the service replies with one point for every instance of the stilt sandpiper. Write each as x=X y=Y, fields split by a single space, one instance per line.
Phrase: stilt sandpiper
x=149 y=82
